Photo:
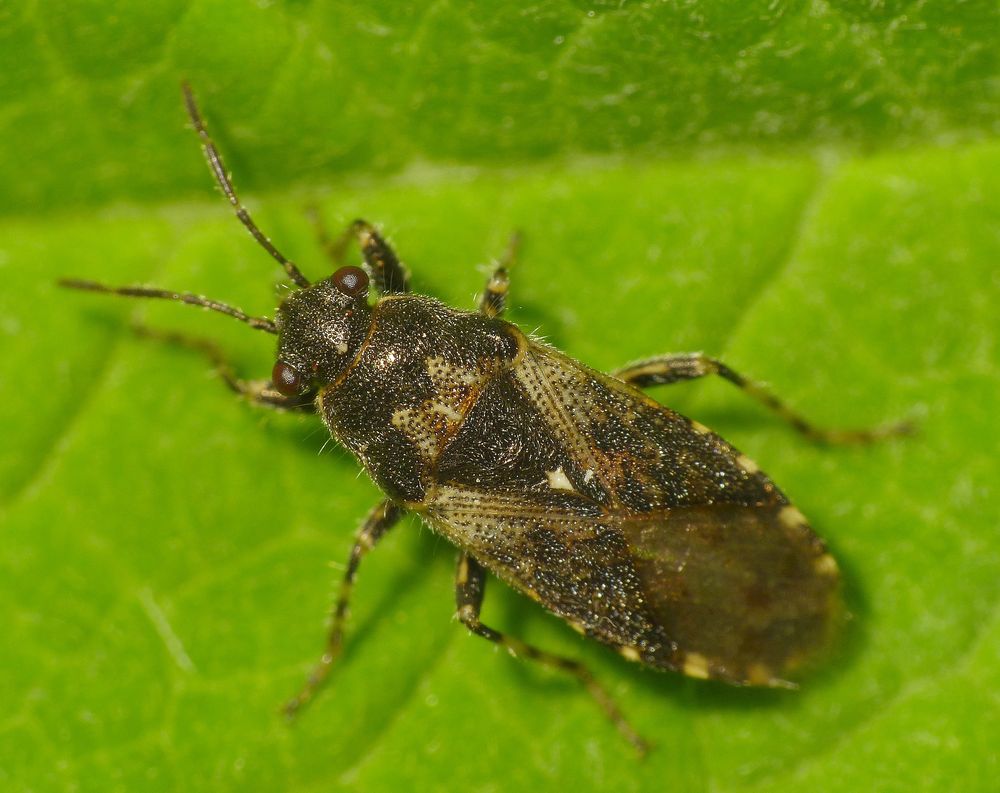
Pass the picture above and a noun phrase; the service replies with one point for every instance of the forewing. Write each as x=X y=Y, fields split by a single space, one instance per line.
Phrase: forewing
x=743 y=594
x=747 y=594
x=636 y=525
x=643 y=456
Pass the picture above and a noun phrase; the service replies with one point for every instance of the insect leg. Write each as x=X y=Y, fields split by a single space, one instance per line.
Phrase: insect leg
x=259 y=392
x=494 y=299
x=470 y=583
x=666 y=369
x=389 y=274
x=382 y=518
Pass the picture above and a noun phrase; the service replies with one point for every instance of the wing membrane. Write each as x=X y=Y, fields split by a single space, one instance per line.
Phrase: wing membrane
x=635 y=524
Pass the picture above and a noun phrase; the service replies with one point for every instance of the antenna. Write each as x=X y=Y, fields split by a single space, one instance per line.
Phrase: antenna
x=259 y=323
x=219 y=171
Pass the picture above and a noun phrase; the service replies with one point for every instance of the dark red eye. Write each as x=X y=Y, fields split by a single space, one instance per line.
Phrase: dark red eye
x=352 y=281
x=286 y=378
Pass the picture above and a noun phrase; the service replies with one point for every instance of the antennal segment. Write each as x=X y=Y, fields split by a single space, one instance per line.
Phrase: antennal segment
x=219 y=171
x=259 y=323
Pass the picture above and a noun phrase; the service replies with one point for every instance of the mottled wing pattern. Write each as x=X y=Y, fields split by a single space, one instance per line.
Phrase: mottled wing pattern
x=636 y=525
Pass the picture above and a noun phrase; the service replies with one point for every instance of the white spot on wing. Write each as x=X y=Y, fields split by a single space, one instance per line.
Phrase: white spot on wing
x=826 y=565
x=558 y=480
x=696 y=665
x=747 y=464
x=700 y=428
x=629 y=653
x=791 y=518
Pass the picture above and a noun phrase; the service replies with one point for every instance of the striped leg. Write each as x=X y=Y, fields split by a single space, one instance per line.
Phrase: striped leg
x=667 y=369
x=382 y=518
x=494 y=299
x=470 y=583
x=258 y=392
x=388 y=273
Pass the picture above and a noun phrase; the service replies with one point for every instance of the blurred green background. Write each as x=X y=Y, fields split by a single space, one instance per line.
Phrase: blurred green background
x=809 y=190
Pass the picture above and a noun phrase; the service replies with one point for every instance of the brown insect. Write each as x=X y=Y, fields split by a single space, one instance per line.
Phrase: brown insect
x=637 y=526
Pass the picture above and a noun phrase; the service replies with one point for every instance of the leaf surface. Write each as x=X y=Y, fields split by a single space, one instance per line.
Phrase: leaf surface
x=807 y=190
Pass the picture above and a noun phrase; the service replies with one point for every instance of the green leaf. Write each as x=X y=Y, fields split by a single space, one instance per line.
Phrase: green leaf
x=808 y=190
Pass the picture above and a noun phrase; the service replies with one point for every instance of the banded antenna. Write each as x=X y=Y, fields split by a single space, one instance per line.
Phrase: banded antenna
x=258 y=323
x=219 y=171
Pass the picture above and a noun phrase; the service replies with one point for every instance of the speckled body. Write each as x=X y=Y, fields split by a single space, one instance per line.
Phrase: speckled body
x=636 y=525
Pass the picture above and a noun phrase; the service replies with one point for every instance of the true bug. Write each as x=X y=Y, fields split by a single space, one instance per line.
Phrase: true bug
x=639 y=527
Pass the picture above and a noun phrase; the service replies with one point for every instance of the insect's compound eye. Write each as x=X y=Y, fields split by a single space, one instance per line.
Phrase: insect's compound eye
x=352 y=281
x=286 y=378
